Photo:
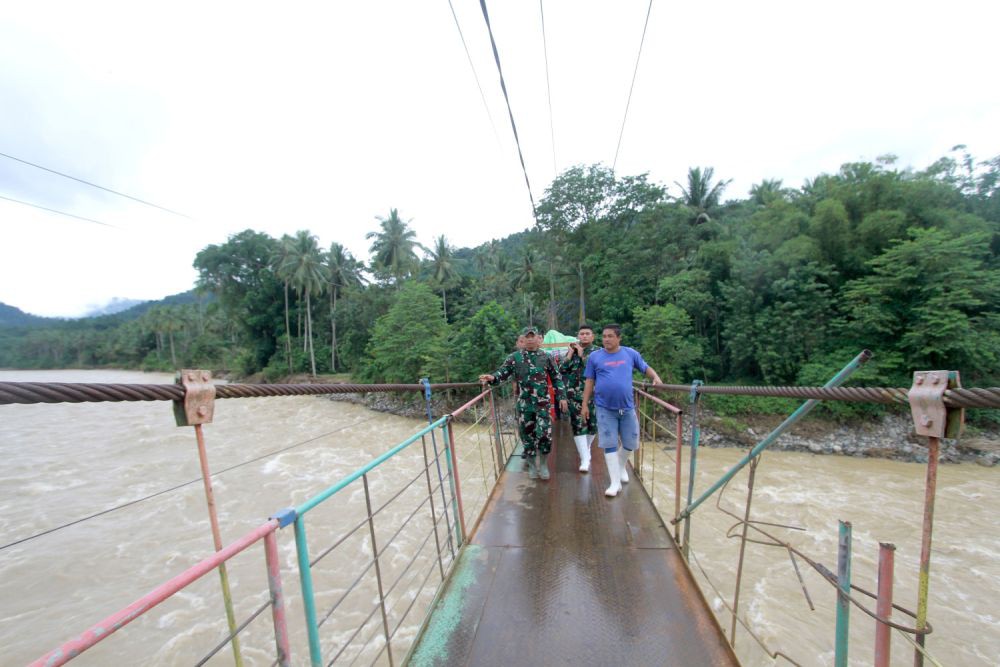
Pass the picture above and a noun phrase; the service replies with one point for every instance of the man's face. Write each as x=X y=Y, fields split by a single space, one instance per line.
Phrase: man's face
x=585 y=336
x=531 y=342
x=611 y=340
x=520 y=342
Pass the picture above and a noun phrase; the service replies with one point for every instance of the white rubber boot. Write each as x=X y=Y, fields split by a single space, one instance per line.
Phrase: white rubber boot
x=583 y=449
x=614 y=474
x=543 y=466
x=623 y=455
x=532 y=467
x=590 y=440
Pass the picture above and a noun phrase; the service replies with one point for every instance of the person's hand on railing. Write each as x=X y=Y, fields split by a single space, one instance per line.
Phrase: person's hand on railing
x=485 y=378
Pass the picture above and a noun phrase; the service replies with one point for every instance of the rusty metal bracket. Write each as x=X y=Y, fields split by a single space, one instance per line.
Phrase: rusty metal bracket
x=931 y=417
x=198 y=406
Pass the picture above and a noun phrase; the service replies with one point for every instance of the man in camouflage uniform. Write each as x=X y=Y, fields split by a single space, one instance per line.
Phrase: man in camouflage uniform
x=571 y=369
x=531 y=368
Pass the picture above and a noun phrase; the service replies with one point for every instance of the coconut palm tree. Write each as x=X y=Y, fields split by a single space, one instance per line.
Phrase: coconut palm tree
x=393 y=247
x=700 y=195
x=766 y=191
x=442 y=267
x=279 y=262
x=304 y=266
x=343 y=272
x=525 y=271
x=524 y=274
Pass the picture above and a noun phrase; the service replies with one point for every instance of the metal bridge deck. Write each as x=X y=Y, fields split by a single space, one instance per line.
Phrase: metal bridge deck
x=557 y=574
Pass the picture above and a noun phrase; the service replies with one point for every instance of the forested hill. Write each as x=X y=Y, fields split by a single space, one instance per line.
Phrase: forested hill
x=782 y=285
x=15 y=317
x=30 y=341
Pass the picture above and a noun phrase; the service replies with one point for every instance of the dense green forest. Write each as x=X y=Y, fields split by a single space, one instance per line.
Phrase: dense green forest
x=783 y=286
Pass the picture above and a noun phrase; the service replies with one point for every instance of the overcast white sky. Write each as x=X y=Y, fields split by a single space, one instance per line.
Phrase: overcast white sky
x=321 y=116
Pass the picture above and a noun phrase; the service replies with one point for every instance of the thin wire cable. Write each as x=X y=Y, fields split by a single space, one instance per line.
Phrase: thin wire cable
x=174 y=488
x=479 y=85
x=632 y=87
x=52 y=210
x=95 y=185
x=513 y=125
x=548 y=85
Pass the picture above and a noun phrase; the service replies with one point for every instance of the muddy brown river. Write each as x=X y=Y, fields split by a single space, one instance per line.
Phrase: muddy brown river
x=67 y=461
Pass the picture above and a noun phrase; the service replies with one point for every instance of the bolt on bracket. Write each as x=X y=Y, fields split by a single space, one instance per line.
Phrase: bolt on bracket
x=198 y=406
x=931 y=417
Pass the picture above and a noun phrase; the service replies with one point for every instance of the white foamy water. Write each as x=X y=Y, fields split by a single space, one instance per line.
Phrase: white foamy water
x=66 y=461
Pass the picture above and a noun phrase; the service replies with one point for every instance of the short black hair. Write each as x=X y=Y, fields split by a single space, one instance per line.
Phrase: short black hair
x=587 y=327
x=617 y=328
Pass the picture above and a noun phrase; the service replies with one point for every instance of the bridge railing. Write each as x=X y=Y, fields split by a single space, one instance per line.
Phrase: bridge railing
x=111 y=624
x=383 y=551
x=936 y=400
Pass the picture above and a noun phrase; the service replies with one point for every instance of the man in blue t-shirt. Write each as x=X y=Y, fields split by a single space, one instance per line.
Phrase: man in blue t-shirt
x=609 y=372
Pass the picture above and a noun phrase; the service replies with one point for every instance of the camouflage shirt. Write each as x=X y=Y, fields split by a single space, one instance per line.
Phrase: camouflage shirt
x=572 y=372
x=529 y=371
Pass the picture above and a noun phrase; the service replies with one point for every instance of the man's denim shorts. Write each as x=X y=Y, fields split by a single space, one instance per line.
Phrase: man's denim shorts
x=615 y=424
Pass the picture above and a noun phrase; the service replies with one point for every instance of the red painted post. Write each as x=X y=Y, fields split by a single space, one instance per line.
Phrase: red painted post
x=277 y=599
x=883 y=608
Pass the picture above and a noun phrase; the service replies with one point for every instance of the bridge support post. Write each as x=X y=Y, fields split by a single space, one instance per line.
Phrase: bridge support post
x=437 y=462
x=932 y=418
x=693 y=468
x=197 y=408
x=883 y=608
x=843 y=591
x=501 y=462
x=743 y=547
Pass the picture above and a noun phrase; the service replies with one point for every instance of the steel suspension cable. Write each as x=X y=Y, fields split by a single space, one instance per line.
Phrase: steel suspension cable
x=81 y=392
x=510 y=112
x=548 y=87
x=479 y=85
x=52 y=210
x=95 y=185
x=628 y=103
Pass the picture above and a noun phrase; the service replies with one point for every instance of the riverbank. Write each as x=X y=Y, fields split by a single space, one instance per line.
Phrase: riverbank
x=889 y=437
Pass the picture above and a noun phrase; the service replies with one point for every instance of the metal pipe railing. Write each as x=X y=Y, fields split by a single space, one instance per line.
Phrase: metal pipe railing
x=111 y=624
x=195 y=411
x=802 y=411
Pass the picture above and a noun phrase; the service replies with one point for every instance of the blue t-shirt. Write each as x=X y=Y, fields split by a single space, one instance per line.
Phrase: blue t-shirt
x=612 y=376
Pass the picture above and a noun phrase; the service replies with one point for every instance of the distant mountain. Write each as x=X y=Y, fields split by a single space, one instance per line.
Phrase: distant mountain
x=116 y=305
x=15 y=317
x=112 y=314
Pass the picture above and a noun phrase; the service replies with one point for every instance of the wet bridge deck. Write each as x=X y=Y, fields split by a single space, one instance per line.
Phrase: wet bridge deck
x=557 y=574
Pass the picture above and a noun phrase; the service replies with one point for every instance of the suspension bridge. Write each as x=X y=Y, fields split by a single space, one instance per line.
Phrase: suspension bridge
x=500 y=569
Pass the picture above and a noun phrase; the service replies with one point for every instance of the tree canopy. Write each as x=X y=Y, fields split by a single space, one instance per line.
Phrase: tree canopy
x=774 y=287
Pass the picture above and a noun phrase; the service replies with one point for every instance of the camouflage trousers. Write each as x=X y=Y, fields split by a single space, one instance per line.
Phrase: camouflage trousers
x=534 y=424
x=581 y=427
